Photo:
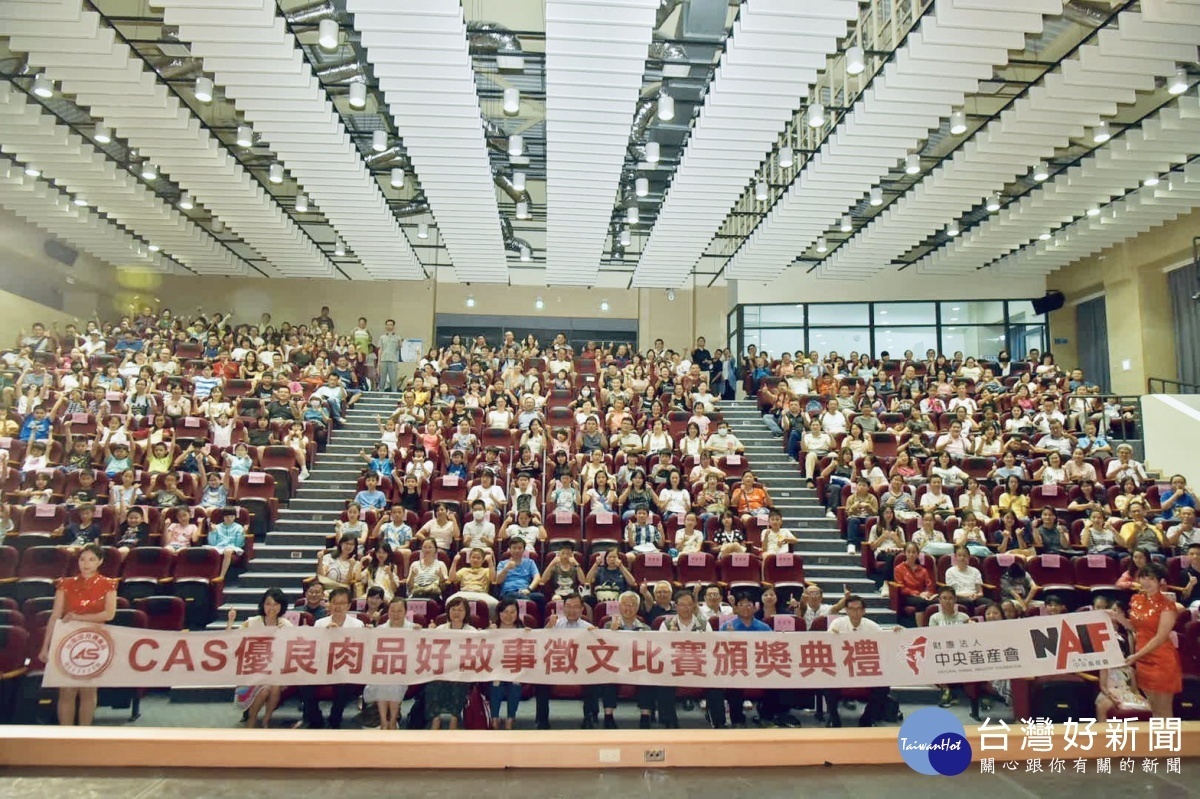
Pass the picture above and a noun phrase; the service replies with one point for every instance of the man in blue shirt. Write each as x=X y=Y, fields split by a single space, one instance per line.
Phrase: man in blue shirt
x=744 y=607
x=518 y=576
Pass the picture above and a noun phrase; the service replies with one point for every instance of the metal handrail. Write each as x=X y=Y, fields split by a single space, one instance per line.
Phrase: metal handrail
x=1163 y=383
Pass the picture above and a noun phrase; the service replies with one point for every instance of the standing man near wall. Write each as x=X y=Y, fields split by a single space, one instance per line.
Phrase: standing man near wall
x=389 y=357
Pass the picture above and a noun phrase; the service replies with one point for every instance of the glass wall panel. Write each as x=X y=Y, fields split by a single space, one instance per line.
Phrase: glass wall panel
x=779 y=340
x=980 y=341
x=774 y=315
x=1024 y=338
x=906 y=313
x=842 y=340
x=839 y=314
x=895 y=340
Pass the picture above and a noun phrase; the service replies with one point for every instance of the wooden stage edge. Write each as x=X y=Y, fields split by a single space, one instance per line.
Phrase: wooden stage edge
x=103 y=747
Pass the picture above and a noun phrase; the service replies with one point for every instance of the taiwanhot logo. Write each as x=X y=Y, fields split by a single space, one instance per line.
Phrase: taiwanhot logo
x=933 y=741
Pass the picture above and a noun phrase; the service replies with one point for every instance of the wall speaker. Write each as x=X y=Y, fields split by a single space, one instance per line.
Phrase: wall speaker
x=1051 y=302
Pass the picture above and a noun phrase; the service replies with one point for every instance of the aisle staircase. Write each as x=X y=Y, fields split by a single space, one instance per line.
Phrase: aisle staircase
x=289 y=553
x=824 y=551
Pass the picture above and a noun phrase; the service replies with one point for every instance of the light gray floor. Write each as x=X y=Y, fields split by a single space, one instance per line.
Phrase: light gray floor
x=893 y=782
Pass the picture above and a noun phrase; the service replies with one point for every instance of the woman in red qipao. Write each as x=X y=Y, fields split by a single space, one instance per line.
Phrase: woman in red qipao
x=88 y=597
x=1152 y=616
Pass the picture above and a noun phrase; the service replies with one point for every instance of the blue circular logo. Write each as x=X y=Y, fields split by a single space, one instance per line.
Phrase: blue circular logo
x=933 y=741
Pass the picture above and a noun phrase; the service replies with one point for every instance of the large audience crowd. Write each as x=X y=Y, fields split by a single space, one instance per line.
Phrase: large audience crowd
x=583 y=483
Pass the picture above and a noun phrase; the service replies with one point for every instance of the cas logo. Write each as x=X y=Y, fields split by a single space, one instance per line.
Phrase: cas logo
x=1069 y=639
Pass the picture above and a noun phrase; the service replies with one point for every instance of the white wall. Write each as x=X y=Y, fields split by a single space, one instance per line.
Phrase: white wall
x=1171 y=424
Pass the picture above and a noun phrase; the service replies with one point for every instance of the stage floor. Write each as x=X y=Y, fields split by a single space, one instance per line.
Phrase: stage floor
x=838 y=782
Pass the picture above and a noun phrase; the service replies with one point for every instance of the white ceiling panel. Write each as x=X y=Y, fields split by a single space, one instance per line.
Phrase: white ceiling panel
x=740 y=121
x=595 y=57
x=419 y=52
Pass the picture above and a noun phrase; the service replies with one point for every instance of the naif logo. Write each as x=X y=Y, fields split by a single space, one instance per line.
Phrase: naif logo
x=1069 y=639
x=932 y=741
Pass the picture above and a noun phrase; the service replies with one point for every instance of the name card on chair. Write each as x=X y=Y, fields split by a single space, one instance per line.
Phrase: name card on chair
x=296 y=617
x=417 y=606
x=739 y=560
x=733 y=460
x=191 y=421
x=604 y=517
x=79 y=418
x=6 y=442
x=1005 y=560
x=653 y=559
x=784 y=559
x=450 y=481
x=256 y=478
x=784 y=624
x=45 y=509
x=679 y=517
x=1052 y=561
x=696 y=559
x=114 y=396
x=1050 y=490
x=1096 y=561
x=563 y=517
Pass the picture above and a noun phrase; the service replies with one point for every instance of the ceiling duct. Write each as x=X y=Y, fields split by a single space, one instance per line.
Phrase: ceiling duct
x=665 y=9
x=342 y=72
x=1086 y=13
x=311 y=14
x=668 y=51
x=385 y=158
x=413 y=208
x=644 y=114
x=178 y=68
x=505 y=183
x=511 y=242
x=492 y=37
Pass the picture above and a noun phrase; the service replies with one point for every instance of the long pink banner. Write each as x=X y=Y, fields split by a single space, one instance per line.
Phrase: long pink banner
x=98 y=655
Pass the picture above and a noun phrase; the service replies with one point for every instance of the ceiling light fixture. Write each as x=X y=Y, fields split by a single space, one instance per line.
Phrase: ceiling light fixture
x=379 y=140
x=666 y=107
x=203 y=90
x=1041 y=172
x=526 y=255
x=398 y=178
x=423 y=230
x=993 y=204
x=523 y=209
x=952 y=229
x=822 y=245
x=339 y=248
x=1045 y=236
x=1094 y=211
x=148 y=171
x=153 y=248
x=512 y=100
x=302 y=203
x=958 y=123
x=641 y=187
x=518 y=181
x=1178 y=83
x=185 y=202
x=847 y=224
x=80 y=201
x=328 y=34
x=626 y=237
x=43 y=87
x=876 y=196
x=275 y=173
x=539 y=303
x=516 y=145
x=670 y=295
x=32 y=171
x=604 y=306
x=358 y=94
x=218 y=226
x=652 y=152
x=1151 y=180
x=855 y=60
x=1101 y=133
x=470 y=300
x=101 y=134
x=815 y=115
x=912 y=164
x=787 y=157
x=245 y=136
x=760 y=190
x=631 y=215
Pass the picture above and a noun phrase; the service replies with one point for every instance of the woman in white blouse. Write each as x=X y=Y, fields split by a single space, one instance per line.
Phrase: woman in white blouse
x=657 y=438
x=674 y=498
x=1052 y=471
x=691 y=444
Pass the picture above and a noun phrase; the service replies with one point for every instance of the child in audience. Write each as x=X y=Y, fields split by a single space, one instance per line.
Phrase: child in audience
x=182 y=532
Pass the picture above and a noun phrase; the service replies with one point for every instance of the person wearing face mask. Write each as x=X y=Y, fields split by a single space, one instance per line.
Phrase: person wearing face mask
x=479 y=531
x=723 y=442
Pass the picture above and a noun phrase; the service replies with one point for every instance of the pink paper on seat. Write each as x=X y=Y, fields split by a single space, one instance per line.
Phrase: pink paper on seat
x=739 y=560
x=784 y=559
x=653 y=559
x=696 y=559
